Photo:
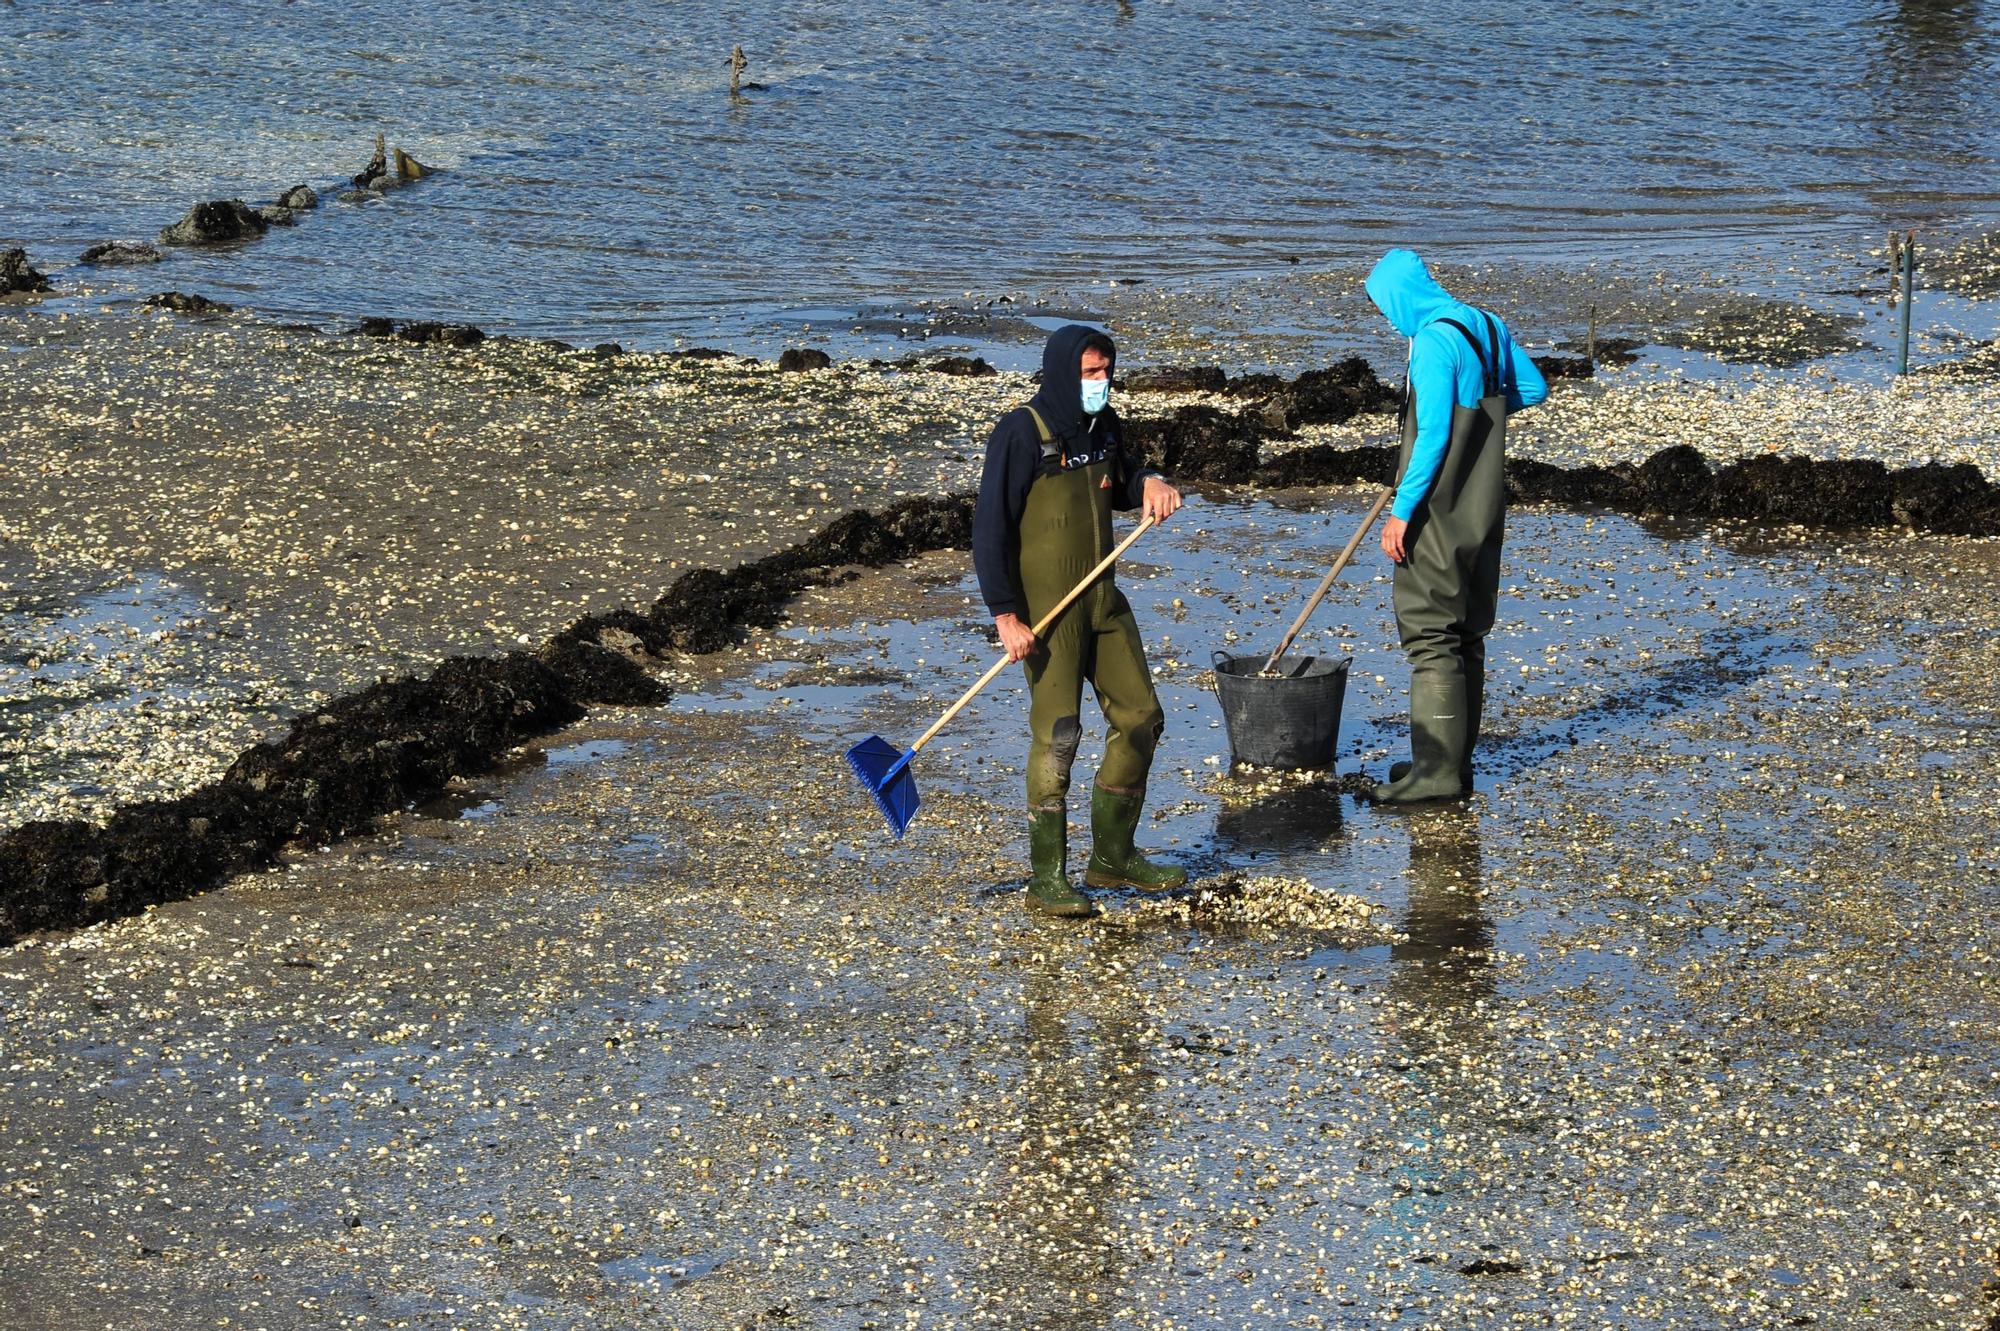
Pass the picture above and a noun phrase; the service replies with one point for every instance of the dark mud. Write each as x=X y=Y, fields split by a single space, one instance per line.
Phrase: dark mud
x=1206 y=444
x=388 y=746
x=707 y=609
x=1330 y=396
x=1566 y=367
x=1202 y=443
x=1176 y=379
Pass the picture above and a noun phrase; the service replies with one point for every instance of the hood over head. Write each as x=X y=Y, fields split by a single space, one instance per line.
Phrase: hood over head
x=1059 y=400
x=1404 y=290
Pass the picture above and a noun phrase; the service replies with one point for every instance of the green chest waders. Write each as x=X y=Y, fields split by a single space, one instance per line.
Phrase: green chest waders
x=1448 y=585
x=1065 y=531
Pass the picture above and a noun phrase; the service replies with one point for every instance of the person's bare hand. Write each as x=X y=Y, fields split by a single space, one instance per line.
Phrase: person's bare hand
x=1015 y=636
x=1392 y=539
x=1159 y=500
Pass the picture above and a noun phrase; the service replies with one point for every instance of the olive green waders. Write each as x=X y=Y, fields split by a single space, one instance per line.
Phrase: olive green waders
x=1065 y=532
x=1447 y=588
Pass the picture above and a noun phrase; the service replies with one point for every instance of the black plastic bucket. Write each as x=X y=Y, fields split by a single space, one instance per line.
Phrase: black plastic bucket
x=1290 y=719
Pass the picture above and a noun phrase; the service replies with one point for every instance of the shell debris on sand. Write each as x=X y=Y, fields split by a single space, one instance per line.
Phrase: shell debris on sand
x=677 y=1038
x=1270 y=902
x=1245 y=784
x=365 y=507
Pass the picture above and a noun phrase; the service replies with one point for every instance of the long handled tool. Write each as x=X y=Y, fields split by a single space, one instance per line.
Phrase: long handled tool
x=886 y=773
x=1326 y=583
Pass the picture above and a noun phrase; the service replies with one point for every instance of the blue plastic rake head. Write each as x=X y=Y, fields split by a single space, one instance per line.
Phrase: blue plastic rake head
x=885 y=770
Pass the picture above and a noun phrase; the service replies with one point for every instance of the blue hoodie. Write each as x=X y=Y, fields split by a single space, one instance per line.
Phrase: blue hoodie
x=1444 y=370
x=1014 y=460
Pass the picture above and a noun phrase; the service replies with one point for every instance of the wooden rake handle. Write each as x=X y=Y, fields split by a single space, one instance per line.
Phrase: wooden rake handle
x=1326 y=583
x=1040 y=628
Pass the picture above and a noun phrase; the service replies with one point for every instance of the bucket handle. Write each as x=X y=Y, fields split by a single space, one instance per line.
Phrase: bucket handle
x=1217 y=658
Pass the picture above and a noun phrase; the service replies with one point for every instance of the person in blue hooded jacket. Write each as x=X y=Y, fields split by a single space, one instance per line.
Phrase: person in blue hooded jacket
x=1447 y=521
x=1055 y=469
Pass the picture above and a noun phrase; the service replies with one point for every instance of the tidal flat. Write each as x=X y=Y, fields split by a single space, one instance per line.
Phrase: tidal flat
x=212 y=525
x=1686 y=1019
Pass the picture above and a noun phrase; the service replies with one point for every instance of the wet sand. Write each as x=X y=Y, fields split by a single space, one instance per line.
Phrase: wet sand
x=213 y=525
x=1686 y=1020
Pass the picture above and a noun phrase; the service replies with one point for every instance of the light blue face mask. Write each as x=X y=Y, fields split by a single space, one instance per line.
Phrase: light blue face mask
x=1096 y=392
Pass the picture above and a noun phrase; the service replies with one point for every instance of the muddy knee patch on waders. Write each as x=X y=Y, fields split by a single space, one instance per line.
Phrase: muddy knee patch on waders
x=1049 y=766
x=1446 y=591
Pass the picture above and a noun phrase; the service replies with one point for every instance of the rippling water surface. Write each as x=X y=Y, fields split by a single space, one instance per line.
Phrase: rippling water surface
x=600 y=180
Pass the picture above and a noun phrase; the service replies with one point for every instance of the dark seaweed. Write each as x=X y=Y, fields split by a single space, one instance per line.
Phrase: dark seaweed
x=1201 y=443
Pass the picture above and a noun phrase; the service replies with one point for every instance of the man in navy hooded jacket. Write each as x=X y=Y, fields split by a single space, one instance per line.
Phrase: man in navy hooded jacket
x=1446 y=524
x=1055 y=470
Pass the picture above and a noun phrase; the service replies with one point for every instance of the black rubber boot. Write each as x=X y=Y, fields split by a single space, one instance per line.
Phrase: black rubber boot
x=1114 y=860
x=1437 y=742
x=1050 y=892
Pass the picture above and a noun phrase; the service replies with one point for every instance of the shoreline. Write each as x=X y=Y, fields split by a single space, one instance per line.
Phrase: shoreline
x=1784 y=300
x=1696 y=909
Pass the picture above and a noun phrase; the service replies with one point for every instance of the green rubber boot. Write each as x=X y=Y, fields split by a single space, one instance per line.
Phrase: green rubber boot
x=1438 y=752
x=1475 y=706
x=1114 y=860
x=1475 y=703
x=1050 y=892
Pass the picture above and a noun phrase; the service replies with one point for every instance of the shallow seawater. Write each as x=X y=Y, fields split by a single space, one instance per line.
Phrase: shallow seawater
x=1591 y=649
x=79 y=651
x=598 y=181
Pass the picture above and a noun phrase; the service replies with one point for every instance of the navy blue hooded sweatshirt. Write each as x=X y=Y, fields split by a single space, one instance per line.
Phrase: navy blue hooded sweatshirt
x=1014 y=460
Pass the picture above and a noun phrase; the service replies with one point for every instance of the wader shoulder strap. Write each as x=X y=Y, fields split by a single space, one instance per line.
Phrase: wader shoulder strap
x=1503 y=368
x=1051 y=451
x=1054 y=458
x=1489 y=367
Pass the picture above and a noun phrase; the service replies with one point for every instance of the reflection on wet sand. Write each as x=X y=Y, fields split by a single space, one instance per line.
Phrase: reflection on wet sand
x=1086 y=1097
x=1304 y=818
x=1443 y=972
x=1440 y=983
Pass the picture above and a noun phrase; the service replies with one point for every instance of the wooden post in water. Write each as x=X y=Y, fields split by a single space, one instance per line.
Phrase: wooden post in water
x=1909 y=291
x=1590 y=341
x=1895 y=266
